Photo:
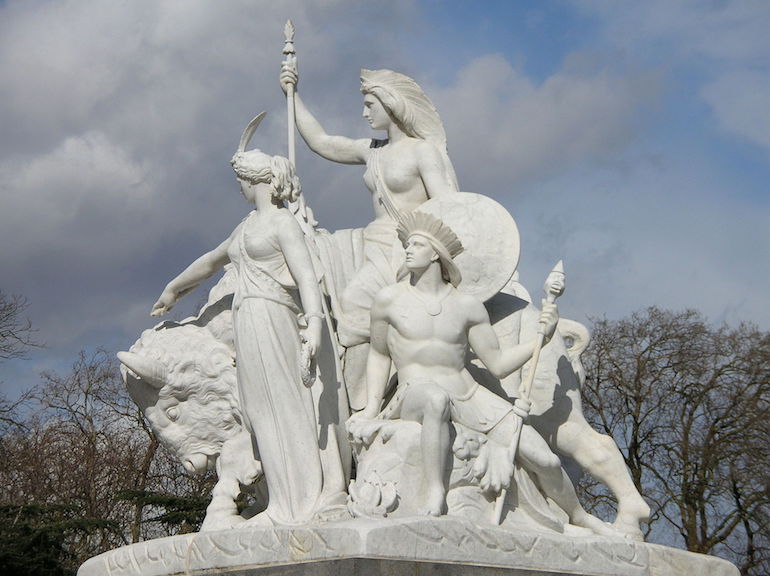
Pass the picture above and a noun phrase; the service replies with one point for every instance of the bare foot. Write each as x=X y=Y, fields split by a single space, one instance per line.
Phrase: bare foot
x=435 y=502
x=629 y=517
x=493 y=467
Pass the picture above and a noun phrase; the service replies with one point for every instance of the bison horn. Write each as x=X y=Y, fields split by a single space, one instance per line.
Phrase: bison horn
x=151 y=371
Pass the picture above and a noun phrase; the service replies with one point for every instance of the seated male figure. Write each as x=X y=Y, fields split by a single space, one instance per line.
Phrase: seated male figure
x=425 y=326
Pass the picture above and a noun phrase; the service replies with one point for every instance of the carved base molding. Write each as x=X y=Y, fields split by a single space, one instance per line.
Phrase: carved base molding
x=443 y=546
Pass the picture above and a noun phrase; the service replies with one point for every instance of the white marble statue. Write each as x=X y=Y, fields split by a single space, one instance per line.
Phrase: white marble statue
x=278 y=324
x=403 y=171
x=424 y=327
x=465 y=397
x=491 y=247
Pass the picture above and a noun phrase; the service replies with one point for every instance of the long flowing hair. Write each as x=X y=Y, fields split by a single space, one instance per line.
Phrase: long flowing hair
x=412 y=110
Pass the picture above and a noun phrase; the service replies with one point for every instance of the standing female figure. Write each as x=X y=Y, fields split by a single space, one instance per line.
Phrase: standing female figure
x=403 y=171
x=277 y=293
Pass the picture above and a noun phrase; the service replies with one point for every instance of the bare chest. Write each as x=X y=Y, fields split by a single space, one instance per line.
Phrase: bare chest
x=425 y=319
x=398 y=170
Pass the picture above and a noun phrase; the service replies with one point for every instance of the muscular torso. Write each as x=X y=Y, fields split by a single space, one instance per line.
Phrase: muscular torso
x=427 y=347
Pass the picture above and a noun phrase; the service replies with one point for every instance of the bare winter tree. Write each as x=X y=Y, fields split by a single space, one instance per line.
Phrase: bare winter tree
x=86 y=474
x=16 y=338
x=16 y=332
x=689 y=405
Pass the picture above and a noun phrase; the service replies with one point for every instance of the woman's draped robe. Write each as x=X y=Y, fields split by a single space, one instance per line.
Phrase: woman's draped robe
x=277 y=408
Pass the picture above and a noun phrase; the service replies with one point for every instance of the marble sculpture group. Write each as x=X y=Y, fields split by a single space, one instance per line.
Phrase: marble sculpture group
x=408 y=347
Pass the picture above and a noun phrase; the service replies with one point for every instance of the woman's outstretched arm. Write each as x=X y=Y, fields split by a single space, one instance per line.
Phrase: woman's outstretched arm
x=202 y=268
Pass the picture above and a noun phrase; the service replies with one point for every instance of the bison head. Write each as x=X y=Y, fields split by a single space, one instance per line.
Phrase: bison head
x=183 y=380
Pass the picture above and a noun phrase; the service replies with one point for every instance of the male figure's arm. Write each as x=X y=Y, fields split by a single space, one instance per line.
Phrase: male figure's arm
x=484 y=342
x=378 y=362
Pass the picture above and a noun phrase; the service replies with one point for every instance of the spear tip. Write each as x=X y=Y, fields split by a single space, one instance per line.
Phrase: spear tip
x=554 y=283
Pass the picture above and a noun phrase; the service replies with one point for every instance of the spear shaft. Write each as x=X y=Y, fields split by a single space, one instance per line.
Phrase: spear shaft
x=299 y=208
x=290 y=53
x=554 y=287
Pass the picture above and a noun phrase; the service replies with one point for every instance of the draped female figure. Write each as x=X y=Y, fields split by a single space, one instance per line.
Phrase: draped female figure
x=277 y=321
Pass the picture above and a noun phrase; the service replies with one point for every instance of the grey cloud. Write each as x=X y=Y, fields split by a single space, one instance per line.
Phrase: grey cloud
x=663 y=234
x=513 y=131
x=119 y=120
x=740 y=101
x=721 y=30
x=727 y=43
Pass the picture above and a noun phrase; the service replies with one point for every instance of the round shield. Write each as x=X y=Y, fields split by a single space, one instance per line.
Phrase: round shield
x=489 y=236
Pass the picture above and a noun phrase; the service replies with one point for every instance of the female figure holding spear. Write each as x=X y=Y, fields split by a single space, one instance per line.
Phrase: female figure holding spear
x=404 y=170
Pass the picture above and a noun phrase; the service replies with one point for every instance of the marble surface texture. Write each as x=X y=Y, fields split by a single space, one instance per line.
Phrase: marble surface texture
x=435 y=546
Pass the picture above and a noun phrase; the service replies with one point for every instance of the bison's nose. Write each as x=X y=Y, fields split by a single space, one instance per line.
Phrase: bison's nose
x=196 y=463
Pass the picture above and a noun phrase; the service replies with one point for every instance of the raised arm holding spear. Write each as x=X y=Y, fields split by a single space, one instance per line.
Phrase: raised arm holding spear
x=331 y=399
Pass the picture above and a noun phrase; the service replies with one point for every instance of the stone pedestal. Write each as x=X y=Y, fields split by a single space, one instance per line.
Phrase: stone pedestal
x=408 y=546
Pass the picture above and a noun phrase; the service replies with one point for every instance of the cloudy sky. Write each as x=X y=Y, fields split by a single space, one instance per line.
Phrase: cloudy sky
x=631 y=139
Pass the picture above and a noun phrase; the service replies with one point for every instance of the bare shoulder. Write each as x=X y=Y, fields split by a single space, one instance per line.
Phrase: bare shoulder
x=388 y=295
x=285 y=225
x=424 y=149
x=387 y=299
x=472 y=307
x=238 y=229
